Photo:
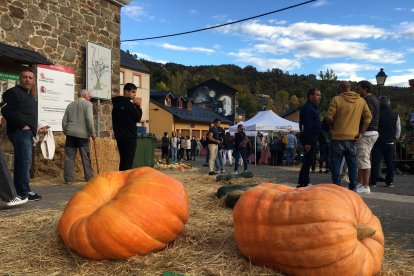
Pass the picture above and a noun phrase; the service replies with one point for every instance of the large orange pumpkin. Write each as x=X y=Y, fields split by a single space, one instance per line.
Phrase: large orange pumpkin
x=319 y=230
x=120 y=214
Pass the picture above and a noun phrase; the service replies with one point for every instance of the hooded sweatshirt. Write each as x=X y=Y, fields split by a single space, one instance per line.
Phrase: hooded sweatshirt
x=347 y=110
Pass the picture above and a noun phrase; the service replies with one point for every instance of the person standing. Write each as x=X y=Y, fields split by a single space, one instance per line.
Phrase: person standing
x=325 y=138
x=174 y=147
x=193 y=148
x=213 y=142
x=126 y=113
x=389 y=129
x=310 y=127
x=290 y=149
x=228 y=148
x=368 y=139
x=165 y=142
x=344 y=113
x=241 y=146
x=21 y=116
x=219 y=165
x=78 y=126
x=7 y=189
x=273 y=151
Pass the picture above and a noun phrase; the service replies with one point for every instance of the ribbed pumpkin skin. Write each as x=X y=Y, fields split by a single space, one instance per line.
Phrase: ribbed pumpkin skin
x=307 y=231
x=121 y=214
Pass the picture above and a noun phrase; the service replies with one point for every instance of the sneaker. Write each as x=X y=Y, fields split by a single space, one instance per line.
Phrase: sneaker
x=235 y=172
x=33 y=196
x=222 y=171
x=361 y=189
x=17 y=201
x=212 y=173
x=245 y=171
x=389 y=185
x=320 y=171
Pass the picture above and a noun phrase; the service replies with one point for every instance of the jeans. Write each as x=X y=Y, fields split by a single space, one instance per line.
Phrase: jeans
x=173 y=155
x=164 y=152
x=324 y=156
x=307 y=162
x=339 y=149
x=378 y=151
x=219 y=160
x=22 y=141
x=71 y=147
x=243 y=153
x=290 y=156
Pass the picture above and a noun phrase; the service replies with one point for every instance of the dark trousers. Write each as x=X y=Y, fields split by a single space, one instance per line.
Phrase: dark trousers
x=273 y=157
x=164 y=151
x=7 y=189
x=378 y=151
x=306 y=164
x=126 y=148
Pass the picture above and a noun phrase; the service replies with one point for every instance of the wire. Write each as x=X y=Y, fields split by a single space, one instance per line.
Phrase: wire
x=222 y=25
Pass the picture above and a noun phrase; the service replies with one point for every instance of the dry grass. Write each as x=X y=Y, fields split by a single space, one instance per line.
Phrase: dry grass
x=206 y=248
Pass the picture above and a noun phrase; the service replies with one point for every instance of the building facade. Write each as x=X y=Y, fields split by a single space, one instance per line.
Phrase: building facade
x=59 y=31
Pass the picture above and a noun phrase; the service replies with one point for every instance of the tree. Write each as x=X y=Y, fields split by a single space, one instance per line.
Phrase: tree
x=161 y=86
x=294 y=101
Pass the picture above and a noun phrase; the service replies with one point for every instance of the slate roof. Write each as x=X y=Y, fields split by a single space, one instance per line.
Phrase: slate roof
x=212 y=83
x=129 y=61
x=21 y=55
x=197 y=114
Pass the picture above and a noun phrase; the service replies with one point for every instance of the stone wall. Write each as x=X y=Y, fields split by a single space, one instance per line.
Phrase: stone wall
x=59 y=30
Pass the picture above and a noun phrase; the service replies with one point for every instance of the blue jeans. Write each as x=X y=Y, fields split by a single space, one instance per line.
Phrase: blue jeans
x=173 y=155
x=290 y=156
x=243 y=153
x=339 y=149
x=22 y=141
x=219 y=160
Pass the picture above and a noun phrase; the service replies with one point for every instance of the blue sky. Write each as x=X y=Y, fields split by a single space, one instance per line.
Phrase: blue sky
x=353 y=38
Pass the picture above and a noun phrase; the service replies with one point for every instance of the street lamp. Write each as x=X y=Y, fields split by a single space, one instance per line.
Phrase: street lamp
x=381 y=77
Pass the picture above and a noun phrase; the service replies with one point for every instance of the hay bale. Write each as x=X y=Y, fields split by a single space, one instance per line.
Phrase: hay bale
x=106 y=153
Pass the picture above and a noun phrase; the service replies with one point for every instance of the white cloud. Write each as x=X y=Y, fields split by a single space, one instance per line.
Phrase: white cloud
x=321 y=3
x=135 y=12
x=406 y=29
x=348 y=71
x=266 y=63
x=185 y=49
x=147 y=57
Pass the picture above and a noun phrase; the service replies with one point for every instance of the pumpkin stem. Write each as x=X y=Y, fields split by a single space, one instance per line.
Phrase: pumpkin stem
x=364 y=231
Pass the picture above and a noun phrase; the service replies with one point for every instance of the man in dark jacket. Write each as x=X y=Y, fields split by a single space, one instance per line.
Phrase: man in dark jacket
x=126 y=113
x=389 y=129
x=21 y=116
x=310 y=127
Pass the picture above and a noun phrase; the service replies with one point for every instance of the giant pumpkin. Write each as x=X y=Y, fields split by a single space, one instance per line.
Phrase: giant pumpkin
x=319 y=230
x=120 y=214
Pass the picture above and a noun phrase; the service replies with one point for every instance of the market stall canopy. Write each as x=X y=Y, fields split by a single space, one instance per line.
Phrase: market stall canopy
x=268 y=121
x=21 y=56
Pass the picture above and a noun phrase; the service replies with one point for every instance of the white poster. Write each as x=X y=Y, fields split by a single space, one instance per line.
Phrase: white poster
x=55 y=90
x=99 y=71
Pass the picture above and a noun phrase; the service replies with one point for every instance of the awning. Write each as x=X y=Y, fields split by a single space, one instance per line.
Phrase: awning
x=21 y=56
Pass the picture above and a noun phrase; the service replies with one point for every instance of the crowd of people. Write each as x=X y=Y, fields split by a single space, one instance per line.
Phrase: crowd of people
x=358 y=130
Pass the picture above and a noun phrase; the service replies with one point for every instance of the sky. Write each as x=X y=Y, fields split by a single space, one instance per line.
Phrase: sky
x=353 y=38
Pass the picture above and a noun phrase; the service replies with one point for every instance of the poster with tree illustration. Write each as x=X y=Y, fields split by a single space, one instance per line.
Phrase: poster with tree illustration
x=98 y=71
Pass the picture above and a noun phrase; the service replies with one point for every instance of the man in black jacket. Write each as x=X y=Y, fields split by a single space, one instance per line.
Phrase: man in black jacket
x=126 y=113
x=21 y=116
x=389 y=129
x=310 y=127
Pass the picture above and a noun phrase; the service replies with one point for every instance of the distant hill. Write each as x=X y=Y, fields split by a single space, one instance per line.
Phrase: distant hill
x=286 y=90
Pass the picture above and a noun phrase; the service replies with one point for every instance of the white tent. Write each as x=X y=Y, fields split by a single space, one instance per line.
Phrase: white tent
x=267 y=121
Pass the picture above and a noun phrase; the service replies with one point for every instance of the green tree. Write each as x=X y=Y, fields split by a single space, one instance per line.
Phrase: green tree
x=161 y=86
x=294 y=101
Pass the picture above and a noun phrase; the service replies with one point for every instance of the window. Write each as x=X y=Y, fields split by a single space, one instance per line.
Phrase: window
x=121 y=77
x=136 y=79
x=167 y=101
x=180 y=104
x=190 y=105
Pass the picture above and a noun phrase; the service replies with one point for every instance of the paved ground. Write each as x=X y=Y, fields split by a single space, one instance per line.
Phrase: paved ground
x=394 y=206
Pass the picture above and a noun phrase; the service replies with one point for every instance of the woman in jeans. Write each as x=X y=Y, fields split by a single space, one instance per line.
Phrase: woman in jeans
x=241 y=146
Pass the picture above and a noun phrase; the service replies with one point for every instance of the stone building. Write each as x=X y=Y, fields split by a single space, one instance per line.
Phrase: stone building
x=59 y=31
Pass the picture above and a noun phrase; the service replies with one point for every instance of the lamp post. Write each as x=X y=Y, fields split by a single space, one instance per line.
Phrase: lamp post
x=381 y=77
